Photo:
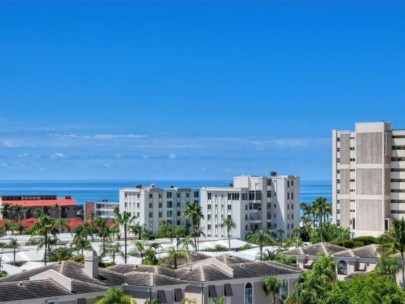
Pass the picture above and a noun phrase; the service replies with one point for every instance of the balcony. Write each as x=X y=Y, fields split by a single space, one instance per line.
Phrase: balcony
x=254 y=219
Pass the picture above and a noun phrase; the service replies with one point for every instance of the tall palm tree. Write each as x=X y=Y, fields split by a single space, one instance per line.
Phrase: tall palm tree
x=13 y=244
x=61 y=254
x=140 y=247
x=261 y=238
x=103 y=231
x=194 y=213
x=124 y=219
x=85 y=230
x=188 y=242
x=198 y=232
x=114 y=296
x=272 y=286
x=229 y=224
x=319 y=205
x=43 y=227
x=392 y=242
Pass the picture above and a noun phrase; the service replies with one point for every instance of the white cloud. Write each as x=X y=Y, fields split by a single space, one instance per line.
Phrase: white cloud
x=172 y=156
x=104 y=136
x=290 y=143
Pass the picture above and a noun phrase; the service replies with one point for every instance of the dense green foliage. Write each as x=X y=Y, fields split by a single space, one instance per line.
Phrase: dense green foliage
x=116 y=296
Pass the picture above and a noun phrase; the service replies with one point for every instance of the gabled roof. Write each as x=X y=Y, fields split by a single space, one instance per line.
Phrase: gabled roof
x=26 y=290
x=367 y=252
x=151 y=279
x=315 y=249
x=202 y=274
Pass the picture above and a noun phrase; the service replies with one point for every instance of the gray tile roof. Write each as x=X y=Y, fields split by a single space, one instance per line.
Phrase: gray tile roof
x=229 y=260
x=315 y=249
x=259 y=269
x=202 y=274
x=367 y=252
x=151 y=279
x=26 y=290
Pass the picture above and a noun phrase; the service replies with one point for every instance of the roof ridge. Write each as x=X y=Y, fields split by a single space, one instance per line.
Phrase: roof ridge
x=62 y=267
x=202 y=273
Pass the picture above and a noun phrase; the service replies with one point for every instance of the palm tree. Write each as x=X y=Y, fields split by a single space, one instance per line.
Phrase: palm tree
x=85 y=230
x=20 y=228
x=229 y=224
x=188 y=242
x=174 y=255
x=114 y=296
x=43 y=227
x=261 y=238
x=179 y=232
x=60 y=254
x=194 y=213
x=272 y=286
x=13 y=244
x=81 y=244
x=57 y=209
x=392 y=242
x=62 y=224
x=152 y=301
x=138 y=230
x=103 y=231
x=319 y=206
x=115 y=250
x=140 y=247
x=124 y=219
x=198 y=232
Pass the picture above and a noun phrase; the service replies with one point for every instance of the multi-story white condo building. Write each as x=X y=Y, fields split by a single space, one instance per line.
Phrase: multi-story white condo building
x=368 y=172
x=152 y=205
x=254 y=203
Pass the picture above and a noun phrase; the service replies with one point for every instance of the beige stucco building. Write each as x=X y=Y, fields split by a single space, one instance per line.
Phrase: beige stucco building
x=368 y=178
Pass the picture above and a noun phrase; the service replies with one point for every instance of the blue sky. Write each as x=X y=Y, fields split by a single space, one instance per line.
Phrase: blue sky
x=192 y=90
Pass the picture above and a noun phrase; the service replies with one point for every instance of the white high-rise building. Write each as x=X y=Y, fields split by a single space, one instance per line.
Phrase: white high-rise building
x=254 y=203
x=368 y=172
x=152 y=205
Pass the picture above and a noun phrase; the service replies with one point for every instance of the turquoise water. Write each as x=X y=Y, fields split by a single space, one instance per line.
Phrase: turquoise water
x=84 y=191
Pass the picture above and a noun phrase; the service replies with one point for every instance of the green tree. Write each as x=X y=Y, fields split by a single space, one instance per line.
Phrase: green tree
x=80 y=244
x=3 y=273
x=43 y=227
x=103 y=231
x=229 y=224
x=140 y=248
x=60 y=254
x=85 y=230
x=188 y=301
x=388 y=267
x=261 y=238
x=174 y=255
x=138 y=230
x=165 y=230
x=179 y=233
x=320 y=205
x=13 y=244
x=330 y=233
x=116 y=296
x=114 y=250
x=272 y=286
x=280 y=233
x=194 y=213
x=152 y=301
x=314 y=286
x=198 y=232
x=221 y=300
x=392 y=242
x=125 y=219
x=371 y=289
x=188 y=242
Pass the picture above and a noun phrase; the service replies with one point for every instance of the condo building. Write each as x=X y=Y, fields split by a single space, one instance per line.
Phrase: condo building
x=152 y=205
x=254 y=203
x=104 y=209
x=368 y=178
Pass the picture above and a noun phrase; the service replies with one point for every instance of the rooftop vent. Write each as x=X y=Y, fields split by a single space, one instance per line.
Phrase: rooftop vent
x=273 y=173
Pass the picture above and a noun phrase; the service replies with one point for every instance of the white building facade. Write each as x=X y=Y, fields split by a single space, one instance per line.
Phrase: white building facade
x=368 y=178
x=254 y=203
x=152 y=205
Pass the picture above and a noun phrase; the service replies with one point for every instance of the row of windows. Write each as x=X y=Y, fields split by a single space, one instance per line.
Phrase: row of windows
x=398 y=201
x=397 y=180
x=398 y=147
x=397 y=158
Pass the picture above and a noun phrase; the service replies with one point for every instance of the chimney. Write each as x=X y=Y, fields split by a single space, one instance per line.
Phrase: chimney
x=91 y=263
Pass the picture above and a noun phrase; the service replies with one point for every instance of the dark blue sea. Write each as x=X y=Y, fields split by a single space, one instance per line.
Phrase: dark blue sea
x=84 y=191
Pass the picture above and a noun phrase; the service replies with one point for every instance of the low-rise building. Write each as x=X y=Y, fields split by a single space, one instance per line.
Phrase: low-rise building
x=104 y=209
x=240 y=281
x=152 y=205
x=64 y=207
x=254 y=203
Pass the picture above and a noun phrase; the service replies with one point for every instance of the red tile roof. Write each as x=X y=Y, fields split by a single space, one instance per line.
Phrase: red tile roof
x=42 y=203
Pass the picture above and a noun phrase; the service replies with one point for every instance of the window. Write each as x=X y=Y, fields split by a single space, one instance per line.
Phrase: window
x=187 y=195
x=196 y=194
x=342 y=267
x=169 y=213
x=209 y=217
x=269 y=194
x=169 y=204
x=160 y=195
x=229 y=207
x=248 y=294
x=229 y=196
x=178 y=213
x=160 y=205
x=209 y=195
x=178 y=195
x=150 y=206
x=168 y=195
x=244 y=196
x=228 y=290
x=209 y=206
x=150 y=195
x=160 y=214
x=150 y=214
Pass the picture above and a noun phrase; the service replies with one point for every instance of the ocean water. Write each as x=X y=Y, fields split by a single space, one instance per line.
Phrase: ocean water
x=84 y=191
